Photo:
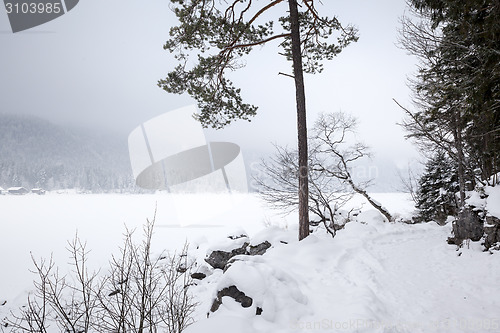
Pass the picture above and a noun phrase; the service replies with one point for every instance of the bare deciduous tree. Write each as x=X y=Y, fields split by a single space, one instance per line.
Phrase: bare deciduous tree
x=140 y=293
x=278 y=184
x=409 y=182
x=65 y=301
x=331 y=184
x=330 y=135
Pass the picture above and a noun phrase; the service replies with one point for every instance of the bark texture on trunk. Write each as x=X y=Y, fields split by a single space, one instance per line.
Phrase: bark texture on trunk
x=301 y=121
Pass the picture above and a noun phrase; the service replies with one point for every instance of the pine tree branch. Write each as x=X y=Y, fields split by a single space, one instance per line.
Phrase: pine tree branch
x=261 y=42
x=264 y=9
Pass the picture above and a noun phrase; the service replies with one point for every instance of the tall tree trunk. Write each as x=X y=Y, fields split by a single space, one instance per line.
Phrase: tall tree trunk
x=457 y=137
x=300 y=97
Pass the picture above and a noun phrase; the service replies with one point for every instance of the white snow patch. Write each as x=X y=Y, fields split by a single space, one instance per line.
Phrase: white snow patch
x=493 y=201
x=372 y=277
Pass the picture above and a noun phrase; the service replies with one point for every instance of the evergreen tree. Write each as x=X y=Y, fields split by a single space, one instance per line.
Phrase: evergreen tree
x=218 y=34
x=457 y=90
x=457 y=87
x=437 y=188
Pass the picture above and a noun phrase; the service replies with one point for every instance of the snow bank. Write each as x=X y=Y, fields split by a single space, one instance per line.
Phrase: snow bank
x=493 y=201
x=373 y=277
x=487 y=198
x=271 y=288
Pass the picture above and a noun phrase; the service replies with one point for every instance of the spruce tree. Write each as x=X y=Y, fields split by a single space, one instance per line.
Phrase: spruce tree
x=437 y=188
x=457 y=88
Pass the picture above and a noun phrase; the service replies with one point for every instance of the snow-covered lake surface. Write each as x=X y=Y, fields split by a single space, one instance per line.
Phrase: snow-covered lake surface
x=373 y=277
x=42 y=225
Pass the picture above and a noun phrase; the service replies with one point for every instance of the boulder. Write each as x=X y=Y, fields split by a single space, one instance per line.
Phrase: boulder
x=259 y=249
x=492 y=231
x=229 y=263
x=468 y=225
x=198 y=276
x=219 y=259
x=234 y=293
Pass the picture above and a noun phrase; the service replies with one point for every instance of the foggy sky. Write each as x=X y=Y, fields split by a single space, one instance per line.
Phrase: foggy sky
x=98 y=65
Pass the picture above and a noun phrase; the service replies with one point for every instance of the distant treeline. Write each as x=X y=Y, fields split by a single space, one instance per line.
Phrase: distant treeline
x=37 y=153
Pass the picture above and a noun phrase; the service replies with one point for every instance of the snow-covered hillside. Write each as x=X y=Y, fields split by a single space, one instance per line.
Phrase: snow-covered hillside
x=373 y=277
x=37 y=153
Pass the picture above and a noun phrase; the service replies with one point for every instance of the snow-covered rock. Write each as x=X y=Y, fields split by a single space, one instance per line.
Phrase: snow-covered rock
x=480 y=219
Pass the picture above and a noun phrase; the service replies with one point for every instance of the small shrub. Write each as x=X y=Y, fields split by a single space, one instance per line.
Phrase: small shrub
x=139 y=293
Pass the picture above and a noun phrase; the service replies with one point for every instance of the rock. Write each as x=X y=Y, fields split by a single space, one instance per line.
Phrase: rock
x=233 y=237
x=258 y=311
x=198 y=276
x=468 y=225
x=219 y=259
x=259 y=249
x=222 y=259
x=233 y=292
x=229 y=263
x=492 y=231
x=454 y=241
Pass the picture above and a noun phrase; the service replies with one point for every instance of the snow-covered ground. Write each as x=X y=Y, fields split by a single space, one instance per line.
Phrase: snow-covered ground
x=373 y=277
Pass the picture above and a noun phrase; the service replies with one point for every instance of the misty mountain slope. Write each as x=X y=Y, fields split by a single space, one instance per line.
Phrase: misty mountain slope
x=37 y=153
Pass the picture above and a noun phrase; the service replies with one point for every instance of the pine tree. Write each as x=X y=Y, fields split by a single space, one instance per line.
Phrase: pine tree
x=218 y=34
x=437 y=188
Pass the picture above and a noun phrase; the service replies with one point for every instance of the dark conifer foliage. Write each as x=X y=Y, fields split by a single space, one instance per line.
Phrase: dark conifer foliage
x=457 y=87
x=456 y=103
x=437 y=188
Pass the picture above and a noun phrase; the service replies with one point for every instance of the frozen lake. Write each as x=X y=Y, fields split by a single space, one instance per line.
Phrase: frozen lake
x=42 y=225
